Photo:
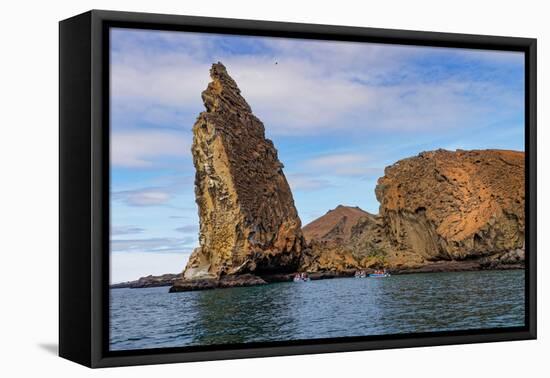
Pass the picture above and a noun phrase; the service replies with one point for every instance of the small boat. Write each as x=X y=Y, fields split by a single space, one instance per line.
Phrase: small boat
x=379 y=275
x=301 y=277
x=360 y=274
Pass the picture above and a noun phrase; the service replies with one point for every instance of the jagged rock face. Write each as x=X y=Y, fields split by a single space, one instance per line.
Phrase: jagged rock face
x=465 y=208
x=248 y=221
x=455 y=205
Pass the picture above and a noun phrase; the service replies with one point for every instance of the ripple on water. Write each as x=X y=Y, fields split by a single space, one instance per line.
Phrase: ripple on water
x=154 y=318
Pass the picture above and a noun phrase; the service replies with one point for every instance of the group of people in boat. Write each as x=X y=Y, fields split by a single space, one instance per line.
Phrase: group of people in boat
x=299 y=277
x=303 y=277
x=360 y=274
x=380 y=271
x=363 y=274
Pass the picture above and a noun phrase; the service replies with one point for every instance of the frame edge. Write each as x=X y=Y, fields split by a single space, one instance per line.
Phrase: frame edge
x=74 y=192
x=98 y=17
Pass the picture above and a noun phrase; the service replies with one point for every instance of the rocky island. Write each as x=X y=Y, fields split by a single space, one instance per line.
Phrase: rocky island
x=439 y=211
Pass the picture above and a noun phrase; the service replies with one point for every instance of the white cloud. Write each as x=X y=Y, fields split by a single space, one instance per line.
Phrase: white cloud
x=315 y=86
x=140 y=149
x=143 y=197
x=173 y=80
x=306 y=182
x=295 y=96
x=344 y=164
x=190 y=228
x=126 y=230
x=153 y=245
x=291 y=95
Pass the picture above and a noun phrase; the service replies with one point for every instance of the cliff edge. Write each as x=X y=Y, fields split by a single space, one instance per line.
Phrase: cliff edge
x=447 y=205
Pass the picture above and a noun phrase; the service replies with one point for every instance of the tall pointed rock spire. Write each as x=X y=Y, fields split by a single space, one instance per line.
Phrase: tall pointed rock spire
x=248 y=221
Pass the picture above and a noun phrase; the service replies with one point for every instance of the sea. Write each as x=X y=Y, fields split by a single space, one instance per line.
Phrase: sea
x=331 y=308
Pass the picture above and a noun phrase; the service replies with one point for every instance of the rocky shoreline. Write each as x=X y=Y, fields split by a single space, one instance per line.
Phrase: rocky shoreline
x=506 y=261
x=148 y=281
x=216 y=283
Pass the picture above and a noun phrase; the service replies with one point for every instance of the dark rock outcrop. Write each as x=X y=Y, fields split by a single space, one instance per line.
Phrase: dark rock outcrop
x=248 y=221
x=240 y=280
x=148 y=281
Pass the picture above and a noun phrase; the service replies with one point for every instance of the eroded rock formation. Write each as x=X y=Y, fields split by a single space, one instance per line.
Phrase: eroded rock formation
x=440 y=210
x=248 y=221
x=447 y=205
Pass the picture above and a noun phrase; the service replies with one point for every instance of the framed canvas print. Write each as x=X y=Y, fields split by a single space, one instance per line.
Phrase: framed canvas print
x=234 y=188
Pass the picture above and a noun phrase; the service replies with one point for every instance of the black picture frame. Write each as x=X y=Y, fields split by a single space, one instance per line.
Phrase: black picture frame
x=84 y=186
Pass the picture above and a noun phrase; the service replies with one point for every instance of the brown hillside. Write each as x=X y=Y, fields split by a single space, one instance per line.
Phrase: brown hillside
x=336 y=223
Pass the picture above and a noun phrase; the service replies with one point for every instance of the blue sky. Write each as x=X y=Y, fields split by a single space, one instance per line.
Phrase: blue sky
x=338 y=113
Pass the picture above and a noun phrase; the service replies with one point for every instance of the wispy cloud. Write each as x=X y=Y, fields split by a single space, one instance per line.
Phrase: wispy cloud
x=306 y=182
x=315 y=86
x=178 y=217
x=187 y=229
x=164 y=189
x=160 y=245
x=135 y=77
x=344 y=164
x=126 y=230
x=143 y=197
x=140 y=149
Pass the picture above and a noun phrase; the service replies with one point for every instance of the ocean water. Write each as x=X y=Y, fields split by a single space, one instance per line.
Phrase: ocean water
x=154 y=318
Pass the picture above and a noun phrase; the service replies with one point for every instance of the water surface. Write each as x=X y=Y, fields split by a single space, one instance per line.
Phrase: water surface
x=154 y=318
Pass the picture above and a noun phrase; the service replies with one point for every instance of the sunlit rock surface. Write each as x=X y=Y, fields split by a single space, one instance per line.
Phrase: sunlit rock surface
x=248 y=221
